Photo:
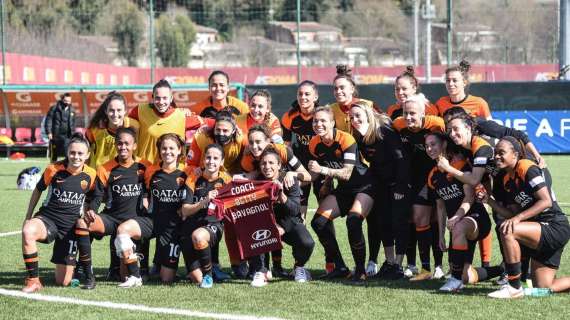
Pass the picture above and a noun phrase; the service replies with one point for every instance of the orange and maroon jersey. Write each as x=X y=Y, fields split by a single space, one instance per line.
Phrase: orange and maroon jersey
x=394 y=111
x=248 y=207
x=521 y=186
x=482 y=154
x=167 y=191
x=444 y=186
x=414 y=142
x=249 y=163
x=245 y=121
x=67 y=191
x=122 y=187
x=475 y=106
x=298 y=130
x=208 y=108
x=343 y=150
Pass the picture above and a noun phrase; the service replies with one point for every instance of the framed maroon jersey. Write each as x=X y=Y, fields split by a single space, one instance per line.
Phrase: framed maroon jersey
x=248 y=207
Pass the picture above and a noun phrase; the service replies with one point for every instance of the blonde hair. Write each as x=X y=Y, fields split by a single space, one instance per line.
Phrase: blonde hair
x=375 y=120
x=419 y=99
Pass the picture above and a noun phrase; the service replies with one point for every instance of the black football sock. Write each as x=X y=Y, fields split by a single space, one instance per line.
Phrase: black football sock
x=324 y=229
x=514 y=274
x=32 y=264
x=424 y=236
x=437 y=253
x=356 y=240
x=204 y=254
x=411 y=252
x=84 y=248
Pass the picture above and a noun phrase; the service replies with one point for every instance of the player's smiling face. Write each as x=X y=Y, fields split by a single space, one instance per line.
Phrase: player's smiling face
x=434 y=146
x=505 y=155
x=125 y=144
x=169 y=151
x=404 y=89
x=413 y=113
x=459 y=132
x=116 y=113
x=258 y=108
x=270 y=166
x=77 y=154
x=213 y=160
x=322 y=123
x=343 y=91
x=258 y=141
x=455 y=83
x=219 y=87
x=162 y=99
x=358 y=118
x=306 y=98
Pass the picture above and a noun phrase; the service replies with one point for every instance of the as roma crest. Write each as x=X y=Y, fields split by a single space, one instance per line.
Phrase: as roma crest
x=84 y=184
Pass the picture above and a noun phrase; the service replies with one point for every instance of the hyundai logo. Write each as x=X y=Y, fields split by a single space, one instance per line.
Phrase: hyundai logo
x=260 y=235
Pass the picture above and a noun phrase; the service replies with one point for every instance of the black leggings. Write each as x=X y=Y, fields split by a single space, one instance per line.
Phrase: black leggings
x=380 y=223
x=299 y=238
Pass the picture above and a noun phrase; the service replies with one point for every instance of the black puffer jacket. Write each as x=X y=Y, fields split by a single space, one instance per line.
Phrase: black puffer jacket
x=60 y=121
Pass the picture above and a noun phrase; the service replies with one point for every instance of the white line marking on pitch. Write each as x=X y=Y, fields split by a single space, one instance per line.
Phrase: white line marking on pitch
x=127 y=306
x=6 y=234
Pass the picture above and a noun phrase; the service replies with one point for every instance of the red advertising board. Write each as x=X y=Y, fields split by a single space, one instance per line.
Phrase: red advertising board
x=28 y=103
x=34 y=70
x=133 y=97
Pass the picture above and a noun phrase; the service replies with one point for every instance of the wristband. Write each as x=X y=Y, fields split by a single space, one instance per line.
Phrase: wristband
x=324 y=171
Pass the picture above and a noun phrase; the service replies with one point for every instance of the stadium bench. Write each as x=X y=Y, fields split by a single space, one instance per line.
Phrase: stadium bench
x=23 y=136
x=38 y=139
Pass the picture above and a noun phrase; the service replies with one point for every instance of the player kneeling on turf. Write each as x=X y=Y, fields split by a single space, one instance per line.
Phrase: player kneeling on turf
x=121 y=182
x=286 y=210
x=166 y=191
x=70 y=181
x=467 y=220
x=200 y=232
x=534 y=224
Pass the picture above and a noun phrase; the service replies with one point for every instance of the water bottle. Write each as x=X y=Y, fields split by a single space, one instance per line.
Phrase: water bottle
x=75 y=283
x=537 y=292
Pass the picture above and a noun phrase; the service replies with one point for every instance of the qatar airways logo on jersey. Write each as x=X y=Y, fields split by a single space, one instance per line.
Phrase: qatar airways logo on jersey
x=69 y=197
x=304 y=139
x=333 y=164
x=523 y=199
x=450 y=192
x=169 y=196
x=128 y=190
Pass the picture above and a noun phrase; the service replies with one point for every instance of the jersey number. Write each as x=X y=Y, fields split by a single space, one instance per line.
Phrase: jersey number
x=174 y=250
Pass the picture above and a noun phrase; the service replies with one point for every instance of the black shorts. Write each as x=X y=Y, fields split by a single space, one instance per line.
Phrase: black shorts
x=110 y=223
x=65 y=246
x=167 y=249
x=216 y=231
x=420 y=195
x=146 y=224
x=553 y=237
x=306 y=194
x=483 y=223
x=56 y=228
x=345 y=199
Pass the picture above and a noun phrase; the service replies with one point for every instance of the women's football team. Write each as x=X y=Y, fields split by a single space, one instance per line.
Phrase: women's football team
x=411 y=173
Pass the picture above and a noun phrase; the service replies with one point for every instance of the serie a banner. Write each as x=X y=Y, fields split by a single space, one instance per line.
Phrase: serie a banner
x=549 y=130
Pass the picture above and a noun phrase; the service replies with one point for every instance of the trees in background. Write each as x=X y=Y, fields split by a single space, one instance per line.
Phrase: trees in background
x=174 y=38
